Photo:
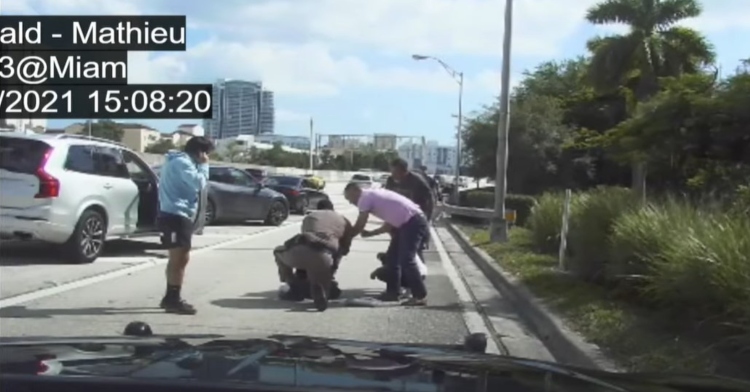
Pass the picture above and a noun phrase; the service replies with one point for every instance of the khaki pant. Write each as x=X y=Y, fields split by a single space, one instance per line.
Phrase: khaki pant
x=317 y=264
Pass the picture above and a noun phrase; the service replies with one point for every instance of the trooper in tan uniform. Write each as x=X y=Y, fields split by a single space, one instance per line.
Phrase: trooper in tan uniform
x=325 y=237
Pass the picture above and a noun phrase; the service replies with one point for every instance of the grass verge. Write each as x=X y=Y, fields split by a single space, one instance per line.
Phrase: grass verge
x=637 y=339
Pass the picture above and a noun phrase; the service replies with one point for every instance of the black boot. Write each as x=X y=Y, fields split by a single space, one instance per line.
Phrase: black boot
x=335 y=290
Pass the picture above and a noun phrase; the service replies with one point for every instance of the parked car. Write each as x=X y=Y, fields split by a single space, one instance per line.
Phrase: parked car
x=383 y=179
x=316 y=182
x=258 y=174
x=364 y=180
x=75 y=191
x=299 y=191
x=235 y=196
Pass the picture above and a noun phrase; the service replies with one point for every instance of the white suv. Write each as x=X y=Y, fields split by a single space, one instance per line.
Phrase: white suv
x=75 y=191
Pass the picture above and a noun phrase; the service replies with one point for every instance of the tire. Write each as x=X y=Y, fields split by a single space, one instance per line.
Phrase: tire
x=210 y=213
x=86 y=243
x=277 y=213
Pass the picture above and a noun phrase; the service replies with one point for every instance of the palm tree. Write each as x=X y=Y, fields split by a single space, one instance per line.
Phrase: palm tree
x=654 y=47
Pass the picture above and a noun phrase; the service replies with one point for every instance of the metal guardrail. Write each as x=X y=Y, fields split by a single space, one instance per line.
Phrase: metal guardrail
x=482 y=213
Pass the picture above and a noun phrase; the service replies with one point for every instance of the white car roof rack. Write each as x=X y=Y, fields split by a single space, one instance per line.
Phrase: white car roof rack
x=90 y=138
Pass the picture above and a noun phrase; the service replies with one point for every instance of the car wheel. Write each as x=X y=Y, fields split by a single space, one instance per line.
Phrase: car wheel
x=210 y=213
x=87 y=241
x=277 y=214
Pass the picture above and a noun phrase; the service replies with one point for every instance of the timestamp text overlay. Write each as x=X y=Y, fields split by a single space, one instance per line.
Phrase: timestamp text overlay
x=133 y=101
x=95 y=33
x=63 y=68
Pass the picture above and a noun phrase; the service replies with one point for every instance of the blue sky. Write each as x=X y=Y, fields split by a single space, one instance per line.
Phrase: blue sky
x=347 y=63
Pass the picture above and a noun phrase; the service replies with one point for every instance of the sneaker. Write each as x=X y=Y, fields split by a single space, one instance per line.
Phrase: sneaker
x=319 y=297
x=388 y=297
x=335 y=291
x=177 y=306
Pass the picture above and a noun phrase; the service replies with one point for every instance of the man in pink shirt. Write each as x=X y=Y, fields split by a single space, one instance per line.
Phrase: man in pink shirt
x=409 y=230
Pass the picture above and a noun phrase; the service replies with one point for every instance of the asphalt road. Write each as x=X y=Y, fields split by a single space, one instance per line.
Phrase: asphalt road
x=232 y=280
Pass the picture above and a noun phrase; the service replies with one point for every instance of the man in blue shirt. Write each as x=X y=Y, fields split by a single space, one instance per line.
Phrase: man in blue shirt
x=182 y=178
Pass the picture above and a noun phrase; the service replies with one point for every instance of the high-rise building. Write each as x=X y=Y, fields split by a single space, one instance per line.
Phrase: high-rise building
x=240 y=108
x=267 y=113
x=438 y=159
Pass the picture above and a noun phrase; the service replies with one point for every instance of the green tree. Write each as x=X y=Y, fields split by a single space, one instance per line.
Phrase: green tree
x=696 y=131
x=235 y=152
x=654 y=47
x=161 y=147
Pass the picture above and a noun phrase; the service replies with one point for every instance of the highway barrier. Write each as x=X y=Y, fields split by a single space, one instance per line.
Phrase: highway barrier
x=478 y=213
x=327 y=175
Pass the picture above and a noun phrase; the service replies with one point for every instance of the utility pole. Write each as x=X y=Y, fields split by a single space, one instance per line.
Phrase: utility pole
x=499 y=226
x=311 y=145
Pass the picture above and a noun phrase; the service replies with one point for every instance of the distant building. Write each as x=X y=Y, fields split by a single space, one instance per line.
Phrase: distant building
x=138 y=137
x=385 y=142
x=135 y=136
x=240 y=108
x=192 y=129
x=298 y=142
x=247 y=143
x=36 y=125
x=340 y=142
x=184 y=133
x=438 y=159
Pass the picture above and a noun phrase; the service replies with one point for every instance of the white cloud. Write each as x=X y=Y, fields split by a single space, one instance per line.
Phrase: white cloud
x=717 y=17
x=303 y=69
x=723 y=15
x=316 y=47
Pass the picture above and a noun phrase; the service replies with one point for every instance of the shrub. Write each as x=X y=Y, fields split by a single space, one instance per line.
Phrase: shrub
x=464 y=194
x=591 y=224
x=641 y=235
x=706 y=269
x=545 y=222
x=485 y=198
x=692 y=261
x=479 y=199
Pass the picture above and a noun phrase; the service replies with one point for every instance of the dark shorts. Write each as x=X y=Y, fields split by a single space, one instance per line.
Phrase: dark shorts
x=176 y=231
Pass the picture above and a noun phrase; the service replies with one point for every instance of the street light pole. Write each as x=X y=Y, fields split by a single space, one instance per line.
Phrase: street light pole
x=499 y=225
x=456 y=180
x=311 y=146
x=459 y=78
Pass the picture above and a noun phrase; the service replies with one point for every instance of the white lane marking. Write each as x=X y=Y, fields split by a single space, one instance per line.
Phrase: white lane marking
x=474 y=321
x=143 y=265
x=149 y=263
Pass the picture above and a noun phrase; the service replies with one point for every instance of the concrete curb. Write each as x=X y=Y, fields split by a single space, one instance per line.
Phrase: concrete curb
x=565 y=345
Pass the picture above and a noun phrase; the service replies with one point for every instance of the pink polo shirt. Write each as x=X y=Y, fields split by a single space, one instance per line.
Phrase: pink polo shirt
x=391 y=207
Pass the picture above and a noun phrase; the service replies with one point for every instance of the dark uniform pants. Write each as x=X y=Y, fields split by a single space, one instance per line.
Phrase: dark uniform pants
x=315 y=262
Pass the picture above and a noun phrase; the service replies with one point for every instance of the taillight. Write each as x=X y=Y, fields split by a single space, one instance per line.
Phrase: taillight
x=48 y=186
x=294 y=192
x=42 y=368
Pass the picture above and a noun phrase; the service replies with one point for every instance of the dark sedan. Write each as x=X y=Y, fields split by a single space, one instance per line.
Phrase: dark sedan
x=300 y=191
x=258 y=174
x=235 y=196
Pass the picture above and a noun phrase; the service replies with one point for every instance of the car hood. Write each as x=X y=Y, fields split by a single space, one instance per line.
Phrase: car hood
x=292 y=361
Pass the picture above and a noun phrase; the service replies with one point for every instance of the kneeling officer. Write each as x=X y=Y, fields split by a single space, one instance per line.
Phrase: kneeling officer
x=325 y=237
